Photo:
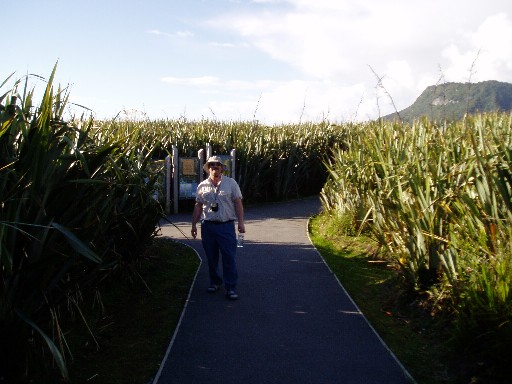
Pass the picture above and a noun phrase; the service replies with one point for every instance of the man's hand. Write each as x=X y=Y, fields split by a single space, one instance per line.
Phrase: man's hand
x=194 y=231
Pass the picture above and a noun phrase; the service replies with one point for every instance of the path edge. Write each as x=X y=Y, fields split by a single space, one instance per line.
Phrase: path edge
x=402 y=367
x=171 y=343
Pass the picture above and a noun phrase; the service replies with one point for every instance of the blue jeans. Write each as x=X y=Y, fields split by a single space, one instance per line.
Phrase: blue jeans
x=220 y=238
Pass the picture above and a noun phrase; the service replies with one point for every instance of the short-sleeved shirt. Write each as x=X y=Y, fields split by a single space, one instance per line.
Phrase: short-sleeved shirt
x=224 y=195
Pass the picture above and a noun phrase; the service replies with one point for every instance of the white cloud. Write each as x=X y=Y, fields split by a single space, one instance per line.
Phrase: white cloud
x=228 y=45
x=222 y=45
x=333 y=44
x=485 y=54
x=285 y=102
x=178 y=34
x=268 y=1
x=494 y=37
x=215 y=82
x=194 y=81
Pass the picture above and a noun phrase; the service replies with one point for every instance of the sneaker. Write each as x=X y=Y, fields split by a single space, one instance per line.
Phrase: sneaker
x=213 y=288
x=231 y=295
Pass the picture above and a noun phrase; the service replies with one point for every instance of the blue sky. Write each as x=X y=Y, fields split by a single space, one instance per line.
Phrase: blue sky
x=276 y=61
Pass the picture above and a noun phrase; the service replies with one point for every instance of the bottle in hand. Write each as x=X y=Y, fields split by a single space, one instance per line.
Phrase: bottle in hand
x=240 y=240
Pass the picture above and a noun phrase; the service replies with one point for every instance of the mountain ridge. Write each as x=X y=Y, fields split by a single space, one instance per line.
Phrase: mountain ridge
x=451 y=101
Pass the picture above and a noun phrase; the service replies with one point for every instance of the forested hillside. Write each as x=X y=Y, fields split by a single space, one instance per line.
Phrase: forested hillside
x=451 y=101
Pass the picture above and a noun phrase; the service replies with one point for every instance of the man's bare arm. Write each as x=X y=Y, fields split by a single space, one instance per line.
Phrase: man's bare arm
x=196 y=214
x=239 y=209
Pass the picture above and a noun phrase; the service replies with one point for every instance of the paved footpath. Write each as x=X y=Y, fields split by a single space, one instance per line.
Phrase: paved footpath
x=293 y=323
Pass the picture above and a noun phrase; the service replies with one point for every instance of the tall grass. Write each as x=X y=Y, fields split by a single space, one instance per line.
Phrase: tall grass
x=273 y=162
x=437 y=197
x=76 y=206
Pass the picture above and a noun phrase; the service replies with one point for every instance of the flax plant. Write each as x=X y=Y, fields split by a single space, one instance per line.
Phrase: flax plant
x=438 y=199
x=345 y=192
x=74 y=208
x=413 y=205
x=485 y=282
x=406 y=180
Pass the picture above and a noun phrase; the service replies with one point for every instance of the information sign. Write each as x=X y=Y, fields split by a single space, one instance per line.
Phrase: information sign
x=188 y=177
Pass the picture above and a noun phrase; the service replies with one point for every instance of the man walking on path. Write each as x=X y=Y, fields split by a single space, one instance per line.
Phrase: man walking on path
x=218 y=204
x=297 y=325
